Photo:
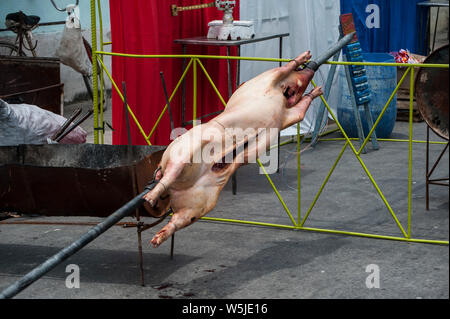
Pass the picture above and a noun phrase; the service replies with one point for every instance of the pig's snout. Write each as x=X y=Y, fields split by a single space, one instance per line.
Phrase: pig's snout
x=289 y=92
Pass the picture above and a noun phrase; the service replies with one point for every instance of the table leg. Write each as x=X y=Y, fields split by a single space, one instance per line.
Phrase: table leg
x=427 y=178
x=238 y=67
x=238 y=70
x=230 y=86
x=435 y=29
x=280 y=53
x=183 y=90
x=230 y=92
x=172 y=245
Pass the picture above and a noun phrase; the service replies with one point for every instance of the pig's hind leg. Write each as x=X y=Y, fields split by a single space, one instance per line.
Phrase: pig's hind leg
x=171 y=172
x=179 y=220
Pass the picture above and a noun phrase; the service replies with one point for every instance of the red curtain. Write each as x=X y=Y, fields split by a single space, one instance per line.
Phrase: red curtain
x=147 y=27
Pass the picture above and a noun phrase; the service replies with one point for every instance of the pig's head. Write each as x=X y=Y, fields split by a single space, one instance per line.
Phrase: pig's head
x=294 y=85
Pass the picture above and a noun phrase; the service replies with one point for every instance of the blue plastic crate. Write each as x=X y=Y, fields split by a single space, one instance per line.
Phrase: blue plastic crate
x=358 y=73
x=362 y=93
x=353 y=46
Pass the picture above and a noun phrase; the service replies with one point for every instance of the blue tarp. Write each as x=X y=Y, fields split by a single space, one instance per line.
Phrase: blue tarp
x=402 y=25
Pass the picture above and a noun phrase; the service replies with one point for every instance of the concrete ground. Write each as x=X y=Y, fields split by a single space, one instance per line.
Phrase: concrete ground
x=224 y=260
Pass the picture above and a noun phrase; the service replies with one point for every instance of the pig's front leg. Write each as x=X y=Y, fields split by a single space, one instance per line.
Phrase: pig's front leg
x=179 y=220
x=296 y=113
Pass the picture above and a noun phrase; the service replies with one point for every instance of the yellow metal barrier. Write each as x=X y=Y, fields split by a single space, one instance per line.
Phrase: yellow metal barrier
x=299 y=224
x=94 y=69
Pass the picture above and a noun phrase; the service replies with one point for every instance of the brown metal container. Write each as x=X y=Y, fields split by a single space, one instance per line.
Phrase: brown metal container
x=431 y=90
x=34 y=80
x=74 y=180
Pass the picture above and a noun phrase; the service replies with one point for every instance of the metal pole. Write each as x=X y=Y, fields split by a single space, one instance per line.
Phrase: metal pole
x=223 y=57
x=74 y=125
x=121 y=96
x=238 y=70
x=125 y=105
x=435 y=28
x=280 y=55
x=411 y=108
x=167 y=100
x=66 y=124
x=102 y=123
x=68 y=251
x=230 y=85
x=133 y=181
x=94 y=70
x=170 y=99
x=369 y=120
x=327 y=91
x=357 y=154
x=172 y=245
x=140 y=255
x=427 y=167
x=337 y=47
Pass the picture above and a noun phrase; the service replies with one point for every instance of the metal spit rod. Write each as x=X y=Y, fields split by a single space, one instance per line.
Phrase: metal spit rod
x=68 y=251
x=331 y=51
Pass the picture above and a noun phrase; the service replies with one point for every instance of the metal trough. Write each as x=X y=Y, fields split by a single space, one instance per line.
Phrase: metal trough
x=33 y=81
x=74 y=180
x=432 y=93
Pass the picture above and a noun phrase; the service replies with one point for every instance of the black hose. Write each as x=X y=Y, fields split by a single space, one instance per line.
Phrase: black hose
x=66 y=124
x=125 y=105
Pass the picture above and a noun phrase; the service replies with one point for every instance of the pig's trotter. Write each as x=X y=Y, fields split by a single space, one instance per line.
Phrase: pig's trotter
x=165 y=180
x=316 y=92
x=178 y=221
x=163 y=234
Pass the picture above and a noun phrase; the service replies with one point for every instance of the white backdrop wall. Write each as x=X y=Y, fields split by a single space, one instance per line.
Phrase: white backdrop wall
x=312 y=25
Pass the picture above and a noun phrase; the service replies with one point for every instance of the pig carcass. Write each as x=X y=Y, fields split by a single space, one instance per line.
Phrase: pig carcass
x=197 y=165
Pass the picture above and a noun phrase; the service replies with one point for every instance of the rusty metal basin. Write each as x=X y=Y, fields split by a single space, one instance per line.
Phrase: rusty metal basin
x=432 y=92
x=36 y=81
x=74 y=180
